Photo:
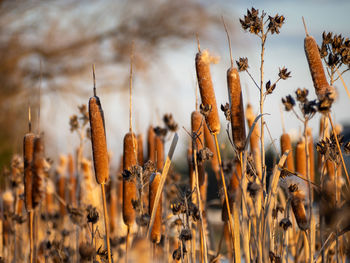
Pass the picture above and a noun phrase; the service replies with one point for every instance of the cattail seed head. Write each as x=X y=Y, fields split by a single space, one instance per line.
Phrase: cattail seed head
x=209 y=142
x=300 y=157
x=157 y=225
x=287 y=145
x=151 y=144
x=140 y=149
x=203 y=60
x=159 y=144
x=28 y=152
x=236 y=108
x=322 y=88
x=98 y=140
x=129 y=184
x=298 y=208
x=38 y=171
x=197 y=125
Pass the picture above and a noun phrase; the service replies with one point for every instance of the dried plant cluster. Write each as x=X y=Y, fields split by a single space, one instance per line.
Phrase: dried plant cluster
x=297 y=212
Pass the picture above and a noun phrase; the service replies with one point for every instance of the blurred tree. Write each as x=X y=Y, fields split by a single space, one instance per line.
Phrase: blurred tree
x=68 y=36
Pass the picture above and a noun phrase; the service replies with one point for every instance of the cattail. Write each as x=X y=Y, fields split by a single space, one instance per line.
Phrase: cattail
x=140 y=149
x=236 y=108
x=159 y=145
x=28 y=151
x=287 y=145
x=98 y=140
x=322 y=88
x=300 y=157
x=311 y=154
x=50 y=189
x=129 y=184
x=209 y=142
x=254 y=139
x=38 y=171
x=61 y=170
x=157 y=225
x=72 y=180
x=203 y=60
x=197 y=125
x=298 y=208
x=151 y=148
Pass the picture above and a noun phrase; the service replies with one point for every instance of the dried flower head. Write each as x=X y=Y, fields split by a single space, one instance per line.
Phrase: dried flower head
x=170 y=122
x=242 y=64
x=270 y=88
x=285 y=223
x=226 y=109
x=284 y=73
x=205 y=109
x=84 y=114
x=288 y=103
x=275 y=24
x=302 y=95
x=185 y=234
x=252 y=21
x=161 y=132
x=204 y=154
x=73 y=123
x=92 y=216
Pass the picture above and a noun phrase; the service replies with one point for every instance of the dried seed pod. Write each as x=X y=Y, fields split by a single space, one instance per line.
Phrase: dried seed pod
x=38 y=171
x=159 y=144
x=209 y=142
x=300 y=157
x=236 y=108
x=197 y=125
x=299 y=209
x=157 y=225
x=72 y=180
x=28 y=152
x=203 y=60
x=287 y=145
x=322 y=88
x=98 y=140
x=129 y=184
x=151 y=148
x=140 y=149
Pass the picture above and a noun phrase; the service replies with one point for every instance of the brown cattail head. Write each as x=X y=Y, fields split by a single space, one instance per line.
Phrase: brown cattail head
x=209 y=142
x=151 y=144
x=197 y=125
x=310 y=142
x=236 y=108
x=322 y=88
x=129 y=184
x=300 y=157
x=50 y=189
x=287 y=145
x=203 y=60
x=28 y=152
x=140 y=149
x=98 y=140
x=62 y=181
x=38 y=171
x=299 y=209
x=72 y=180
x=157 y=225
x=159 y=143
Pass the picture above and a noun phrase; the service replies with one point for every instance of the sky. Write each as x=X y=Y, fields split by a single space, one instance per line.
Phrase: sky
x=170 y=85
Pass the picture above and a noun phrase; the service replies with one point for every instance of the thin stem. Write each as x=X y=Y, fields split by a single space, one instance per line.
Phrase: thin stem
x=199 y=199
x=31 y=235
x=340 y=152
x=127 y=244
x=130 y=87
x=94 y=79
x=256 y=84
x=106 y=221
x=237 y=251
x=228 y=40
